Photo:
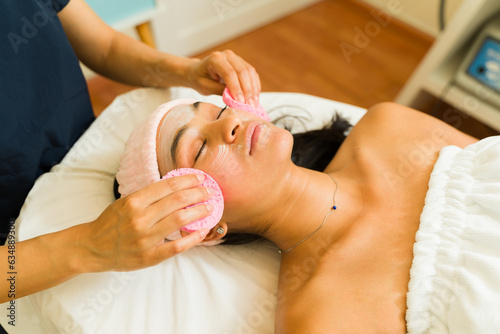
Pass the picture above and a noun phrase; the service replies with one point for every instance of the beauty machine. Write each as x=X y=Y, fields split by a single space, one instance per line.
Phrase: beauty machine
x=480 y=68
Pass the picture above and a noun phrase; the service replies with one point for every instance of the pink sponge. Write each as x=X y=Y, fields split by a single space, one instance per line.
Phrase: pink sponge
x=217 y=200
x=232 y=103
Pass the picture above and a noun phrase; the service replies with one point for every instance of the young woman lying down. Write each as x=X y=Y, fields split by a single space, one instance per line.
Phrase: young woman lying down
x=346 y=211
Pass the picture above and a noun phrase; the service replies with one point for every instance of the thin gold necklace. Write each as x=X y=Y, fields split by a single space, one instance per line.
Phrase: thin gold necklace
x=334 y=207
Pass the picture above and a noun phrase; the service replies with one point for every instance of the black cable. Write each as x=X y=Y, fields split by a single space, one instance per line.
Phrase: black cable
x=442 y=5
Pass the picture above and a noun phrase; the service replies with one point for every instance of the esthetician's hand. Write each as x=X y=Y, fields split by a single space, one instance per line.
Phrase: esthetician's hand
x=129 y=234
x=211 y=75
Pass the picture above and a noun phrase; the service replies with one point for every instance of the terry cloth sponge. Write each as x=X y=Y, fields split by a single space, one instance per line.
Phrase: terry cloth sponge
x=232 y=103
x=217 y=200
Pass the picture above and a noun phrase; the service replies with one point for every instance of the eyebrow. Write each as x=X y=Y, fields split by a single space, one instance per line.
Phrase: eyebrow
x=179 y=135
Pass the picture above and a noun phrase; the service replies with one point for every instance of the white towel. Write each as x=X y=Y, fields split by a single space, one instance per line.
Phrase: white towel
x=455 y=275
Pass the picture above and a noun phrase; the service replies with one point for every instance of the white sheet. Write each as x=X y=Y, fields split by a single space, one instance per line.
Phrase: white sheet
x=455 y=274
x=222 y=289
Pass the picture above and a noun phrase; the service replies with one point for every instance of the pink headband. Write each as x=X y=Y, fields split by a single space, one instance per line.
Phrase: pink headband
x=139 y=163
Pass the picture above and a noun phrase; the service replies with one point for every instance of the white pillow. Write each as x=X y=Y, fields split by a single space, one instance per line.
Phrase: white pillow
x=222 y=289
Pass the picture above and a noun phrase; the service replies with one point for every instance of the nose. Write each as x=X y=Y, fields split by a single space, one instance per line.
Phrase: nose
x=230 y=125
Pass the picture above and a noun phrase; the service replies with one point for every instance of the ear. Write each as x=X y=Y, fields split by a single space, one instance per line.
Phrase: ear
x=213 y=235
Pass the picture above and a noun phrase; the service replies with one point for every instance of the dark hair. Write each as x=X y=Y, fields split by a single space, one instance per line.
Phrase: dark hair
x=311 y=149
x=315 y=149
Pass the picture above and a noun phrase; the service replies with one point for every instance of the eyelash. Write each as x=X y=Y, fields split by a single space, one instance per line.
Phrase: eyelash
x=205 y=141
x=223 y=109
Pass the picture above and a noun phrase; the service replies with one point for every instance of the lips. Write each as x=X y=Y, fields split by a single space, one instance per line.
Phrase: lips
x=252 y=135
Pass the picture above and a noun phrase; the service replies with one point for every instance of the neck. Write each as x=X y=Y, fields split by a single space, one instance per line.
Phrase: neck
x=302 y=202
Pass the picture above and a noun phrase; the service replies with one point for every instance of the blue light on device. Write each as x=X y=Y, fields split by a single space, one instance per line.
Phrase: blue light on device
x=485 y=66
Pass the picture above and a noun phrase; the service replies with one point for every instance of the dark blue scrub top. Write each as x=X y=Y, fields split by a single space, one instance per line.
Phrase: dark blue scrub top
x=44 y=101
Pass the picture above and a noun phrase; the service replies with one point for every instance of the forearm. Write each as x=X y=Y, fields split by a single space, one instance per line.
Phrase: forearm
x=38 y=264
x=135 y=63
x=116 y=55
x=125 y=59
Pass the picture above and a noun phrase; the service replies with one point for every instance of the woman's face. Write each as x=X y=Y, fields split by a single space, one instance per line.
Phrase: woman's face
x=243 y=153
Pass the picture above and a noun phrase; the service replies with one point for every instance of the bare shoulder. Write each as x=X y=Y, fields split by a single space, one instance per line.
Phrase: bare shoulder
x=389 y=130
x=388 y=120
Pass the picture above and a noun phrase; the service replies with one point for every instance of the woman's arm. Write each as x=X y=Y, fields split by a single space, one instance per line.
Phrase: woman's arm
x=127 y=60
x=127 y=236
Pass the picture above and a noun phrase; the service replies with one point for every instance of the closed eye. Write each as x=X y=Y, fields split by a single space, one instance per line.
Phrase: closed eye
x=201 y=150
x=205 y=141
x=223 y=109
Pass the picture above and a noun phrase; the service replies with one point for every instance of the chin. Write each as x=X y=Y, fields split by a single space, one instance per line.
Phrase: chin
x=283 y=144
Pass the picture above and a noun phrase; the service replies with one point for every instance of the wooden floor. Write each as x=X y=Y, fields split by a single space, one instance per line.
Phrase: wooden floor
x=340 y=50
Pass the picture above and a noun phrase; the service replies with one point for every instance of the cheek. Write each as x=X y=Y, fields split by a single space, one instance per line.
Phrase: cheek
x=222 y=164
x=234 y=179
x=243 y=181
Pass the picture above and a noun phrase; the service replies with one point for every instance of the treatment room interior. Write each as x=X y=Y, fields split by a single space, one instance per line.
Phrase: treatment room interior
x=319 y=50
x=352 y=54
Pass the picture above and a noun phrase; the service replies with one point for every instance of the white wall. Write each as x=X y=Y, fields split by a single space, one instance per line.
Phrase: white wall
x=421 y=14
x=188 y=27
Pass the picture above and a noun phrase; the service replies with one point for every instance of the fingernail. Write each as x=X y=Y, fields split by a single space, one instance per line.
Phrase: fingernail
x=201 y=177
x=210 y=191
x=209 y=207
x=251 y=102
x=204 y=232
x=240 y=98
